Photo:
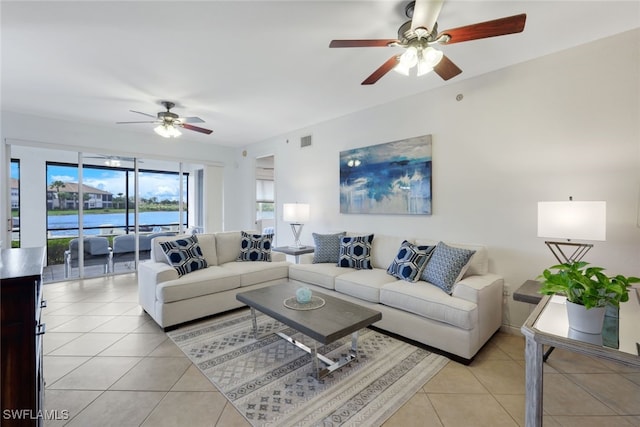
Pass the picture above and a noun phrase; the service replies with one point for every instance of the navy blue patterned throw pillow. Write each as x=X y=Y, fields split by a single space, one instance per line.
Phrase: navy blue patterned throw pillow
x=327 y=247
x=255 y=247
x=355 y=252
x=410 y=261
x=446 y=266
x=185 y=255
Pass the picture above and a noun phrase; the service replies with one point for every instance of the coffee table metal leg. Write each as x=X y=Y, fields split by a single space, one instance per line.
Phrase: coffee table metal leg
x=315 y=361
x=354 y=344
x=255 y=323
x=316 y=357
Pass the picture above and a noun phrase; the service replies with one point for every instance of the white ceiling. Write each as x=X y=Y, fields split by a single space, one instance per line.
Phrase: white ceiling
x=252 y=69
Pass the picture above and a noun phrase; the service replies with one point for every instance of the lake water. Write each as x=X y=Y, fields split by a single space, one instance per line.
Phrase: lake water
x=148 y=221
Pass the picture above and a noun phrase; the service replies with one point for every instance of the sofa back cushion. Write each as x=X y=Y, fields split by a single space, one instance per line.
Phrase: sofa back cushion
x=384 y=248
x=208 y=245
x=228 y=246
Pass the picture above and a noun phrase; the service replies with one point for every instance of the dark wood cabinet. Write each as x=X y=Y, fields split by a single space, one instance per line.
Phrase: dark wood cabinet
x=21 y=302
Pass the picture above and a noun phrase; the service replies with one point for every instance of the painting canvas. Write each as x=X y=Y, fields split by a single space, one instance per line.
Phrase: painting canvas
x=390 y=178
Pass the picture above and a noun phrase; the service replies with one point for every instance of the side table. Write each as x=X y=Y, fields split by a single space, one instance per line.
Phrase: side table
x=528 y=292
x=296 y=252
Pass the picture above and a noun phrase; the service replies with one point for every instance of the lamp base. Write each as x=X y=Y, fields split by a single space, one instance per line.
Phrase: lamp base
x=297 y=229
x=579 y=251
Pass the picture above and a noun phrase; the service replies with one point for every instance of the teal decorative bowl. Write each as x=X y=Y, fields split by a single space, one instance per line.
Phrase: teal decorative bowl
x=303 y=295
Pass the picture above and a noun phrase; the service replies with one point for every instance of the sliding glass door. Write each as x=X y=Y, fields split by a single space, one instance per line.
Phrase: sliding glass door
x=95 y=213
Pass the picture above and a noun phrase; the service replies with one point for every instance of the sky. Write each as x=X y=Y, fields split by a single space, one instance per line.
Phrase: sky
x=160 y=185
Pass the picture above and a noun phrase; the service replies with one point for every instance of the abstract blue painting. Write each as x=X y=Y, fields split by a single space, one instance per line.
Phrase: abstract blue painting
x=390 y=178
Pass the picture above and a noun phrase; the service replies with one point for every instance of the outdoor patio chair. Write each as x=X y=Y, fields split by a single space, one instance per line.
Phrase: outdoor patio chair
x=96 y=252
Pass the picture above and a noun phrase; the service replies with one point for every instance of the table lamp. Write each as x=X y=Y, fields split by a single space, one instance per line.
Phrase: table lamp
x=296 y=214
x=571 y=220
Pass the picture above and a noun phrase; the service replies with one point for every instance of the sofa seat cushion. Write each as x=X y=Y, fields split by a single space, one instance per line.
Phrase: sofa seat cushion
x=207 y=281
x=251 y=273
x=428 y=301
x=322 y=274
x=364 y=284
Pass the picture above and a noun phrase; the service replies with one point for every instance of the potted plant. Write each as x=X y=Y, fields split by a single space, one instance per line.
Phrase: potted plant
x=588 y=291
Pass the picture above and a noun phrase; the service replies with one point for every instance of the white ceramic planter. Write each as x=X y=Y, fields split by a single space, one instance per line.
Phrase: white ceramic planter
x=588 y=321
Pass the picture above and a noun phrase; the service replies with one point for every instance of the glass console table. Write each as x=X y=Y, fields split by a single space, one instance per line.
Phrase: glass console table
x=547 y=325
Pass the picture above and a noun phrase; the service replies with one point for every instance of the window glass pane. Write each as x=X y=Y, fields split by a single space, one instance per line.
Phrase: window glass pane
x=15 y=203
x=159 y=201
x=264 y=190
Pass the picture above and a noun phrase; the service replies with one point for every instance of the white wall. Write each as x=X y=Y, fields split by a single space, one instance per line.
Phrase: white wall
x=559 y=126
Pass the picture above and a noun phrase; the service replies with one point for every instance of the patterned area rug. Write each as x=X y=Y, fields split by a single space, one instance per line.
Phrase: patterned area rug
x=270 y=381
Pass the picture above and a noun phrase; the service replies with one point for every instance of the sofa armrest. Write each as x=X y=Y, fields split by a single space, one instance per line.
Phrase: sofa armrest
x=152 y=273
x=470 y=288
x=486 y=292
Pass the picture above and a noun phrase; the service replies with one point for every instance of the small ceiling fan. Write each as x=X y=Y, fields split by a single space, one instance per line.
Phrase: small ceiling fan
x=419 y=34
x=169 y=122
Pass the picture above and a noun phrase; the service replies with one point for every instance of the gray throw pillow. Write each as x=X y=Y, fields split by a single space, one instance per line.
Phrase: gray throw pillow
x=327 y=247
x=446 y=266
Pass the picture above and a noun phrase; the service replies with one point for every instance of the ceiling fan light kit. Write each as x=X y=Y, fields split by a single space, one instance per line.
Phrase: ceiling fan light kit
x=419 y=34
x=167 y=131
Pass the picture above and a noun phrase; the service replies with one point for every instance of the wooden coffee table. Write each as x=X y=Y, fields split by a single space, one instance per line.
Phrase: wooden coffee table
x=335 y=319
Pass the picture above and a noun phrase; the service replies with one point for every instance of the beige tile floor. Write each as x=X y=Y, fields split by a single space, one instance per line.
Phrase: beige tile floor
x=107 y=363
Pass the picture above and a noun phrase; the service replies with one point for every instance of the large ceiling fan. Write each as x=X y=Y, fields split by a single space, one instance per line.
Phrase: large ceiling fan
x=419 y=34
x=169 y=122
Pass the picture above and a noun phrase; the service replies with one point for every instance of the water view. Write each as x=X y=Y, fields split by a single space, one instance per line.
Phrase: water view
x=67 y=225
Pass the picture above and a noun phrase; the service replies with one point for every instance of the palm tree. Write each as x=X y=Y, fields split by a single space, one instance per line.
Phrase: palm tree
x=57 y=185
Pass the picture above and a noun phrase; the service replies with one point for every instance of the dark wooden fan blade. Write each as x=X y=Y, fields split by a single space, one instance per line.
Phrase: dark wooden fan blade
x=362 y=43
x=425 y=14
x=483 y=30
x=191 y=120
x=446 y=68
x=149 y=121
x=384 y=69
x=144 y=114
x=196 y=128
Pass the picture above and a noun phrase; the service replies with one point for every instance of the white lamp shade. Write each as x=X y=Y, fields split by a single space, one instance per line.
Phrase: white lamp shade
x=572 y=220
x=295 y=212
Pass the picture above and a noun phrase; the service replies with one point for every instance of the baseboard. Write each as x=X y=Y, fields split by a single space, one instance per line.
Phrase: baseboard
x=511 y=330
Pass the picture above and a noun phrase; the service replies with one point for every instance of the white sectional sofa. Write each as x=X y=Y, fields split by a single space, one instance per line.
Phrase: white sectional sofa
x=459 y=323
x=171 y=299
